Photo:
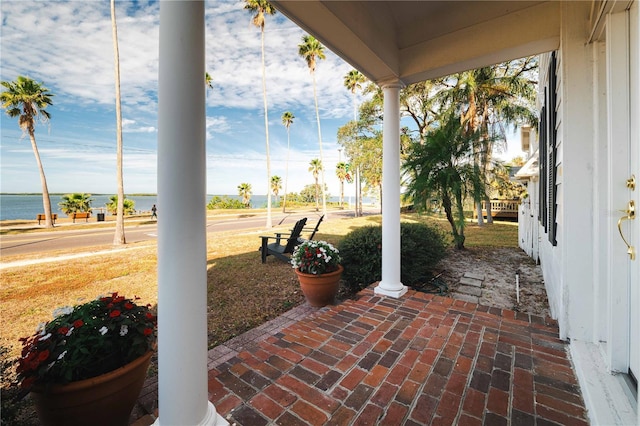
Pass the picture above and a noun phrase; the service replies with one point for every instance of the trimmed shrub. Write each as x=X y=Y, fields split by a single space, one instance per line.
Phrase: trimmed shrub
x=422 y=247
x=361 y=251
x=225 y=202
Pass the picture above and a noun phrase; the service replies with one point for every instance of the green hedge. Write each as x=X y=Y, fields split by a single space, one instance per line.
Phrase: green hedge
x=422 y=247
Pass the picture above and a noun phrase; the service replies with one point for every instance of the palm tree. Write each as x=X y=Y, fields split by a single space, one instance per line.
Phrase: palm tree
x=353 y=81
x=342 y=171
x=276 y=185
x=441 y=168
x=27 y=100
x=244 y=190
x=287 y=120
x=315 y=167
x=310 y=50
x=262 y=7
x=489 y=98
x=128 y=206
x=118 y=237
x=76 y=202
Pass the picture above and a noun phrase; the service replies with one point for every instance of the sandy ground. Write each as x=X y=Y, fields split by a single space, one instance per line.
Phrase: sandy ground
x=499 y=266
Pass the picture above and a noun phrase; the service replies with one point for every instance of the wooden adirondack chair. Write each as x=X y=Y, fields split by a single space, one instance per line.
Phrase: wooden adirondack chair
x=278 y=250
x=313 y=230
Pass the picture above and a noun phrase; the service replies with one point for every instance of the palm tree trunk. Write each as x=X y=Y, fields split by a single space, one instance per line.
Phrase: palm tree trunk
x=286 y=176
x=315 y=98
x=317 y=195
x=357 y=185
x=118 y=237
x=479 y=213
x=266 y=131
x=46 y=201
x=341 y=192
x=359 y=193
x=461 y=219
x=477 y=196
x=486 y=162
x=446 y=204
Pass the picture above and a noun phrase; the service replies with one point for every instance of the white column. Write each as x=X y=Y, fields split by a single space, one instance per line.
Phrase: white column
x=182 y=268
x=390 y=284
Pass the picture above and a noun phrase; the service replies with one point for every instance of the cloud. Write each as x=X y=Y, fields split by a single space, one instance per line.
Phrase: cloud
x=218 y=124
x=130 y=126
x=68 y=45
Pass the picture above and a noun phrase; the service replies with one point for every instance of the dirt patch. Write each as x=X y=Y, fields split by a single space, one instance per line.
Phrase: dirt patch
x=499 y=267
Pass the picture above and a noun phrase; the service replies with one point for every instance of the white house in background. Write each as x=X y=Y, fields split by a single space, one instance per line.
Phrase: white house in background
x=528 y=229
x=589 y=153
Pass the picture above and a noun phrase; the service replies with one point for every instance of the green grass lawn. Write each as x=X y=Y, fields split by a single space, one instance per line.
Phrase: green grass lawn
x=242 y=292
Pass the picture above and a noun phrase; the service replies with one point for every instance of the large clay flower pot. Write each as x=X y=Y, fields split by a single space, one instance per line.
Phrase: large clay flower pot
x=320 y=290
x=102 y=400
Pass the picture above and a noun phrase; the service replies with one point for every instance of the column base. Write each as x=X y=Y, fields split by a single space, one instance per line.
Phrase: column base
x=212 y=418
x=396 y=293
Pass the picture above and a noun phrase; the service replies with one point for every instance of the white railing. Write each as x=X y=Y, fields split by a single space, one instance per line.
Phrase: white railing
x=501 y=208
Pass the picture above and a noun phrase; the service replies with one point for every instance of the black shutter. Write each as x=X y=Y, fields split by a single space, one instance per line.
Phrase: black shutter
x=542 y=162
x=552 y=169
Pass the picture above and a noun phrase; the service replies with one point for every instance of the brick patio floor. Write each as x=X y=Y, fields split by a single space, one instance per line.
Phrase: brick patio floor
x=417 y=360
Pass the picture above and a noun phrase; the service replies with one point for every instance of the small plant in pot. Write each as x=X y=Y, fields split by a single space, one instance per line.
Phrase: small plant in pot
x=317 y=264
x=69 y=360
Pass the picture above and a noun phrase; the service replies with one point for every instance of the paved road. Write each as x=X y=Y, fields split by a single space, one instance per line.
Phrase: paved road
x=81 y=236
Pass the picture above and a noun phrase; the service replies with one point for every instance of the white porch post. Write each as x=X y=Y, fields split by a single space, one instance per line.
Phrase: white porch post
x=182 y=269
x=390 y=284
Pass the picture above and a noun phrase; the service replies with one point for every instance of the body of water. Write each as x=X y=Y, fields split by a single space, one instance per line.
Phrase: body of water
x=21 y=207
x=27 y=207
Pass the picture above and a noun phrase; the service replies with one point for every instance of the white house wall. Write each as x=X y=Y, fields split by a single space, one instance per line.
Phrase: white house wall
x=550 y=256
x=586 y=294
x=569 y=266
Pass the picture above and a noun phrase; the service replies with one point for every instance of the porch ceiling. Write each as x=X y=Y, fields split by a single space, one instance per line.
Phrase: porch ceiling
x=413 y=41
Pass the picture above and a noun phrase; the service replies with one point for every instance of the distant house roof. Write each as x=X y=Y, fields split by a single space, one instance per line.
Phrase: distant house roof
x=530 y=168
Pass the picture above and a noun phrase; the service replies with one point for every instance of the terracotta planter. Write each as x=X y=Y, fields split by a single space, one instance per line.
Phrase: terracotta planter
x=102 y=400
x=320 y=290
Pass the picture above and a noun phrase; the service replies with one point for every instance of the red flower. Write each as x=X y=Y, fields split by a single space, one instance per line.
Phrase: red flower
x=147 y=331
x=42 y=356
x=28 y=381
x=114 y=313
x=128 y=305
x=149 y=315
x=63 y=330
x=78 y=323
x=118 y=299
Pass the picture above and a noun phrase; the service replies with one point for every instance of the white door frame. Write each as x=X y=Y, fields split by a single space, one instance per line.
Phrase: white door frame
x=619 y=137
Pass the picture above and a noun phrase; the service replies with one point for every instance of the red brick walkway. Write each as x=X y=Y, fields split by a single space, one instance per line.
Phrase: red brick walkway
x=417 y=360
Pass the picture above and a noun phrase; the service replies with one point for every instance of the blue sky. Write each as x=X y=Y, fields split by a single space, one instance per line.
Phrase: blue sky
x=68 y=47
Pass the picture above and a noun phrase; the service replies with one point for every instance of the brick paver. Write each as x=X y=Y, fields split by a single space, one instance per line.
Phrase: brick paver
x=420 y=359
